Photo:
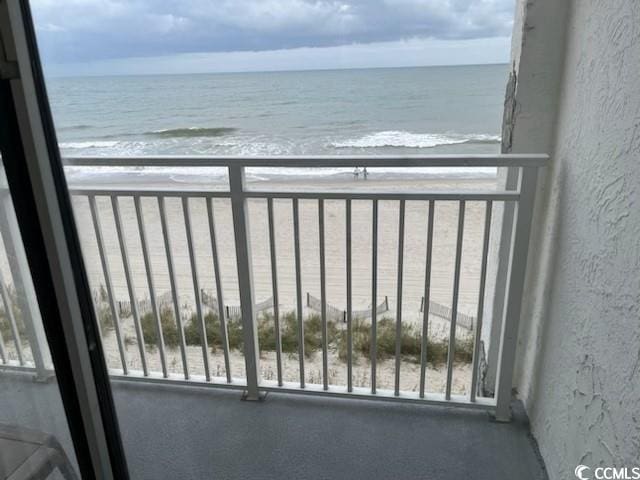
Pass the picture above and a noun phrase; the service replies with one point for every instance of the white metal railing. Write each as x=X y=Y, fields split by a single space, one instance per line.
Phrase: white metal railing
x=238 y=195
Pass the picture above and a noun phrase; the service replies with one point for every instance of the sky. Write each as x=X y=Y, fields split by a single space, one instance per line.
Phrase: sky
x=99 y=37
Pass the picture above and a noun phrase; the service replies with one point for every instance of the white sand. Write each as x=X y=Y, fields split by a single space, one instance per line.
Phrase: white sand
x=414 y=252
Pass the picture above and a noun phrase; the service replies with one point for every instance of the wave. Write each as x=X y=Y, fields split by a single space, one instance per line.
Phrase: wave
x=393 y=138
x=192 y=132
x=81 y=126
x=90 y=144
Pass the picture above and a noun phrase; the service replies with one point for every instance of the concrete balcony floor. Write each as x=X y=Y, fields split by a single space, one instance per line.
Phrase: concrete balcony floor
x=172 y=432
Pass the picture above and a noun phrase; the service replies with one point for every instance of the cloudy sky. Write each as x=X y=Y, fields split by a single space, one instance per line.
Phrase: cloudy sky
x=171 y=36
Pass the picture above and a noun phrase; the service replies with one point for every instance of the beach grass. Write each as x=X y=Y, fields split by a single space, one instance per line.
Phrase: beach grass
x=410 y=344
x=169 y=329
x=266 y=332
x=5 y=325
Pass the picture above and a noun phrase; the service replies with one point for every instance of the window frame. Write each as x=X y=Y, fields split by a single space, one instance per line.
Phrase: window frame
x=45 y=218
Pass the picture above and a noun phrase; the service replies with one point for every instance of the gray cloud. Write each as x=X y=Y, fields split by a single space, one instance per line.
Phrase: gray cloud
x=84 y=30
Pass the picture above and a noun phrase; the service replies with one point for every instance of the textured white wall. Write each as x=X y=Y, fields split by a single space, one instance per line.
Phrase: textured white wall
x=530 y=108
x=582 y=386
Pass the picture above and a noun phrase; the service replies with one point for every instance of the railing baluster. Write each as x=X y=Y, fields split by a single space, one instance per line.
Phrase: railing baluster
x=374 y=294
x=515 y=284
x=107 y=279
x=3 y=355
x=196 y=287
x=224 y=338
x=240 y=212
x=399 y=295
x=129 y=279
x=152 y=292
x=426 y=302
x=10 y=317
x=349 y=300
x=478 y=325
x=323 y=296
x=172 y=282
x=274 y=289
x=296 y=246
x=454 y=301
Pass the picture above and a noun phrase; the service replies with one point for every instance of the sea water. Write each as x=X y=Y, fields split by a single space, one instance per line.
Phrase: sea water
x=424 y=110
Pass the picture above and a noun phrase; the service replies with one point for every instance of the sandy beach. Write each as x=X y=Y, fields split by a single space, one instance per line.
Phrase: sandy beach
x=445 y=226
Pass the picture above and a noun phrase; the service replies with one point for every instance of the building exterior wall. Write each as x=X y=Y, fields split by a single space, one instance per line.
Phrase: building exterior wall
x=579 y=369
x=537 y=55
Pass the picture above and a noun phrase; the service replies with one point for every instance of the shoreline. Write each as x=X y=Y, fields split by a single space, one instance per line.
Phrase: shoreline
x=330 y=178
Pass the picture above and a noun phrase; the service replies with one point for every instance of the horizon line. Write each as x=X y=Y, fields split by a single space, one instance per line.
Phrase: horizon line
x=303 y=70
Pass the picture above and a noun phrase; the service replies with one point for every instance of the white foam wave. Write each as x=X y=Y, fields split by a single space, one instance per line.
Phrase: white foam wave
x=395 y=138
x=259 y=146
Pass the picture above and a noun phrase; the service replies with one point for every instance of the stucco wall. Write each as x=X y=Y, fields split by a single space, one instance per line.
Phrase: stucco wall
x=537 y=56
x=583 y=397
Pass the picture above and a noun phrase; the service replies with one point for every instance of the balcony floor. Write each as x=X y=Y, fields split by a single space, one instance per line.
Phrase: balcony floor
x=201 y=433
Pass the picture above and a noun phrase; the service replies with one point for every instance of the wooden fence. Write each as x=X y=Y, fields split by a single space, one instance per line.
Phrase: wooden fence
x=336 y=314
x=442 y=311
x=333 y=312
x=233 y=311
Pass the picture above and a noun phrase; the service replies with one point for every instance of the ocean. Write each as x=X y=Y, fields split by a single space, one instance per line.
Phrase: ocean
x=427 y=110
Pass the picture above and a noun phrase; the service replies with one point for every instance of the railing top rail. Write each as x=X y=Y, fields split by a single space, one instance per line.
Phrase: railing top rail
x=444 y=195
x=317 y=161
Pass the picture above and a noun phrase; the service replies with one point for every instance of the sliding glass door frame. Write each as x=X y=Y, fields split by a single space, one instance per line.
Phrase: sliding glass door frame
x=43 y=209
